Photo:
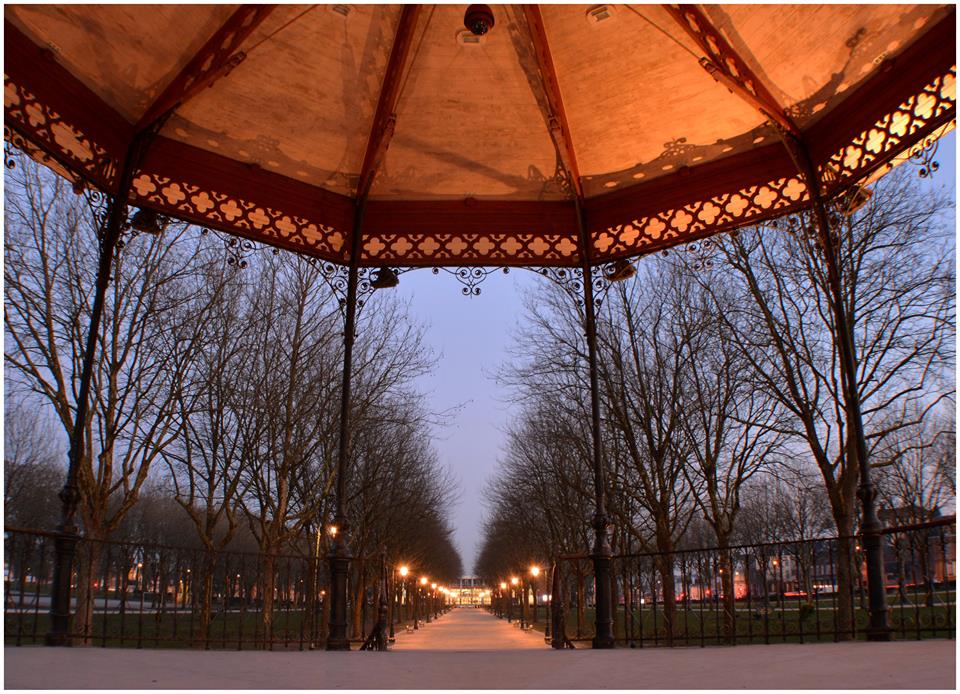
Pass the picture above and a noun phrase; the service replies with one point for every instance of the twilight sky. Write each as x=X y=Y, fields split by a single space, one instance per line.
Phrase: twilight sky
x=470 y=337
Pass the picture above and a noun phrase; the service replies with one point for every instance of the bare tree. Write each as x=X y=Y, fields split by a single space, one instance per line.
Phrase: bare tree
x=31 y=468
x=205 y=461
x=648 y=355
x=50 y=253
x=916 y=482
x=897 y=279
x=731 y=424
x=289 y=368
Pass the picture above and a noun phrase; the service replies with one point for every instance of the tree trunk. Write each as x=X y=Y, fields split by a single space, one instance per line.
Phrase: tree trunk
x=925 y=569
x=312 y=591
x=901 y=573
x=627 y=602
x=358 y=589
x=206 y=598
x=90 y=555
x=269 y=583
x=728 y=588
x=665 y=568
x=581 y=597
x=845 y=580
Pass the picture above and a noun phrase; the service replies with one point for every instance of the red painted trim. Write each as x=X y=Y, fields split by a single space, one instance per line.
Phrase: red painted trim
x=215 y=172
x=689 y=185
x=763 y=100
x=470 y=217
x=930 y=56
x=37 y=70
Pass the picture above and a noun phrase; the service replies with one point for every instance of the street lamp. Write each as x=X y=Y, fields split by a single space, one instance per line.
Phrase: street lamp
x=503 y=588
x=535 y=572
x=404 y=570
x=394 y=595
x=423 y=597
x=513 y=586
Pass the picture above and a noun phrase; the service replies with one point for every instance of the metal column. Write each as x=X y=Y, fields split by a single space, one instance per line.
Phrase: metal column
x=68 y=535
x=878 y=629
x=601 y=553
x=339 y=556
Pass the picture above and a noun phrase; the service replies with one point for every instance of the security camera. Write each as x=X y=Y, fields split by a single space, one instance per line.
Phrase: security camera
x=478 y=19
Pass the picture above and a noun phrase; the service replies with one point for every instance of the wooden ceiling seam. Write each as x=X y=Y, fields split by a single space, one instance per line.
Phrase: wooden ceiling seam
x=384 y=120
x=218 y=56
x=557 y=118
x=725 y=65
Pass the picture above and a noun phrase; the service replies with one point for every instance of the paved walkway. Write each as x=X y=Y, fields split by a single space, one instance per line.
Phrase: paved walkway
x=469 y=629
x=437 y=657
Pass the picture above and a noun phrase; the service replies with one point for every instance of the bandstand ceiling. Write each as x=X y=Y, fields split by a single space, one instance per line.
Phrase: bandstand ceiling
x=272 y=117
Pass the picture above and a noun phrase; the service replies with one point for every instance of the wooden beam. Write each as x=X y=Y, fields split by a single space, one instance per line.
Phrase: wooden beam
x=557 y=118
x=385 y=116
x=727 y=67
x=219 y=55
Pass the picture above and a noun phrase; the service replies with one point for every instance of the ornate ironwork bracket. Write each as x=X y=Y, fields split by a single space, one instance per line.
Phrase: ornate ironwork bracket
x=570 y=280
x=922 y=155
x=99 y=202
x=700 y=254
x=9 y=155
x=337 y=276
x=471 y=277
x=239 y=250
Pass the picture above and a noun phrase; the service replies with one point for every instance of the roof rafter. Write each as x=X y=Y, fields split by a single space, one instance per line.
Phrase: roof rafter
x=727 y=67
x=385 y=117
x=557 y=118
x=218 y=56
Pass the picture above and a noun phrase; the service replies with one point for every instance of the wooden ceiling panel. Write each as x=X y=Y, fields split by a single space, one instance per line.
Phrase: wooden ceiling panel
x=302 y=101
x=639 y=104
x=126 y=54
x=808 y=56
x=470 y=119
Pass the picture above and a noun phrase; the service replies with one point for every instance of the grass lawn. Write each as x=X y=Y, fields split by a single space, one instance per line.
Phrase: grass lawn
x=695 y=627
x=232 y=630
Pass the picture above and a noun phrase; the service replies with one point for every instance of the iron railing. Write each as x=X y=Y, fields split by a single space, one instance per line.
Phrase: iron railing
x=149 y=595
x=776 y=592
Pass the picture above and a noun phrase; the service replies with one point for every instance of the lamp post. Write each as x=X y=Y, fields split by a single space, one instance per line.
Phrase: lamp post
x=503 y=588
x=403 y=571
x=514 y=587
x=433 y=599
x=405 y=593
x=534 y=572
x=423 y=598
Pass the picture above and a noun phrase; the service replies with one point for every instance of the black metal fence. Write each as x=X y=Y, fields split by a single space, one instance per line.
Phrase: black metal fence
x=775 y=592
x=146 y=595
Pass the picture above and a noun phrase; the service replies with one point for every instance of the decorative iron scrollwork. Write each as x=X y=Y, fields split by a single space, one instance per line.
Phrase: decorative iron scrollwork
x=9 y=156
x=471 y=277
x=570 y=280
x=700 y=254
x=98 y=202
x=922 y=155
x=337 y=278
x=239 y=250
